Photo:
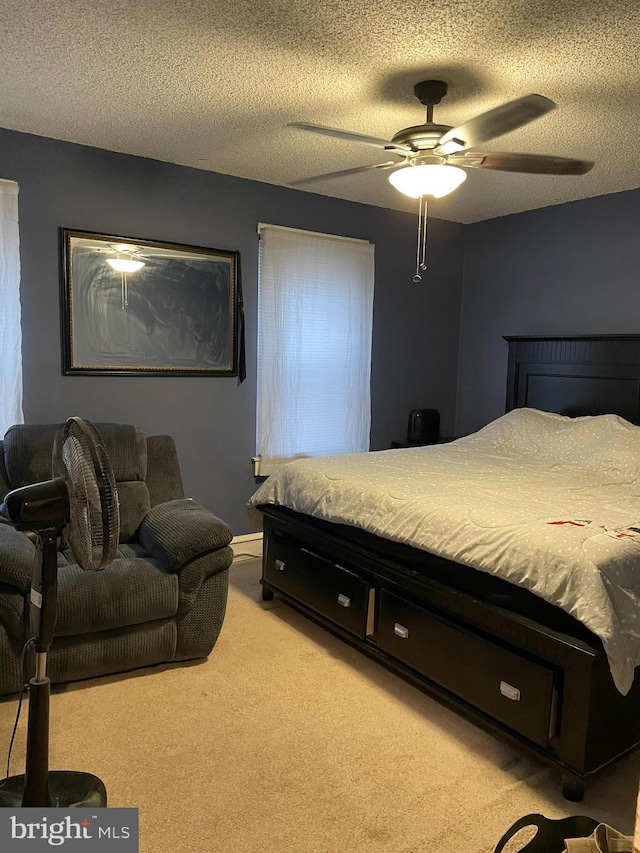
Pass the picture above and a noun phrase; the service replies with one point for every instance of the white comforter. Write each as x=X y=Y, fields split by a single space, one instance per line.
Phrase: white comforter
x=541 y=500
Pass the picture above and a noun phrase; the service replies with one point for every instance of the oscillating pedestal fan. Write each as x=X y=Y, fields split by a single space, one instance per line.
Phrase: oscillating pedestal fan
x=81 y=503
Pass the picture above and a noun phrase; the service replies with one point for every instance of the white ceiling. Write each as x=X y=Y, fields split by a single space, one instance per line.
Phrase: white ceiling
x=211 y=84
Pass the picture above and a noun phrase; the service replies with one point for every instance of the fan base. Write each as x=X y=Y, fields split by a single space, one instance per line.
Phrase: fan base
x=430 y=91
x=68 y=789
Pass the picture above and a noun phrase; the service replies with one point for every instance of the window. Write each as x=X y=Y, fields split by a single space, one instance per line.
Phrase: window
x=315 y=317
x=10 y=329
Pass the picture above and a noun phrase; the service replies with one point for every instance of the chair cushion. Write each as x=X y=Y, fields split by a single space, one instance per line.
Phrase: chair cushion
x=135 y=503
x=27 y=453
x=128 y=591
x=11 y=675
x=17 y=558
x=163 y=479
x=126 y=447
x=12 y=615
x=127 y=450
x=89 y=655
x=27 y=456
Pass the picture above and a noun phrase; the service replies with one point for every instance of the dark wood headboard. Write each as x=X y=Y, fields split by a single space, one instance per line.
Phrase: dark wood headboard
x=590 y=375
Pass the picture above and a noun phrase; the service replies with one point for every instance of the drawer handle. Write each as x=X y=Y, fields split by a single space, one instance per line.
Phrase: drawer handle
x=279 y=565
x=344 y=600
x=400 y=631
x=509 y=691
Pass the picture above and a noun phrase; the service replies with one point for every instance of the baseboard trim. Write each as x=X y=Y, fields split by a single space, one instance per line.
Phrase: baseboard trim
x=249 y=543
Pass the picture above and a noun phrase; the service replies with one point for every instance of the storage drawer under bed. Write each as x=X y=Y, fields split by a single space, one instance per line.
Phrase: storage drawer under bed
x=331 y=590
x=512 y=689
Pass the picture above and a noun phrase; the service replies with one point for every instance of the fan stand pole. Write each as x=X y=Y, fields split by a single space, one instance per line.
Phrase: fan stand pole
x=44 y=596
x=36 y=777
x=39 y=787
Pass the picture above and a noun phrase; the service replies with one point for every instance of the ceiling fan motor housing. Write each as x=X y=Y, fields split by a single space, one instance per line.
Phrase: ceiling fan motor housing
x=430 y=91
x=421 y=136
x=426 y=136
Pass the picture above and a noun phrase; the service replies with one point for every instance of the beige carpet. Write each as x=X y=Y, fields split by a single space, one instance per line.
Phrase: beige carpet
x=287 y=739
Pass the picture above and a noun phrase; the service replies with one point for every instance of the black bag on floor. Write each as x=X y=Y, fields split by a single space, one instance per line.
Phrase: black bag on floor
x=551 y=834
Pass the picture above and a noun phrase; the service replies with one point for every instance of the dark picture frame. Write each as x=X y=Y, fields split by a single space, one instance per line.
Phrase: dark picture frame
x=175 y=314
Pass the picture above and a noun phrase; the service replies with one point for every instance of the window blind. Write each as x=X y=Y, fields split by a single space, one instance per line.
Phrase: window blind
x=314 y=345
x=10 y=328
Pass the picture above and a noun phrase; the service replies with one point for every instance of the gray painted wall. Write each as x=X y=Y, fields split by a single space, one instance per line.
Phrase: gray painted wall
x=415 y=340
x=571 y=269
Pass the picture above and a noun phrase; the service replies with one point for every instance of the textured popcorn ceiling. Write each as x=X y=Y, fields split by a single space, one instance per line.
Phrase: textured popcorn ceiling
x=212 y=84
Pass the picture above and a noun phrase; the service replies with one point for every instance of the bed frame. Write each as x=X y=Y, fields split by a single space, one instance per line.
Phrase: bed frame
x=494 y=652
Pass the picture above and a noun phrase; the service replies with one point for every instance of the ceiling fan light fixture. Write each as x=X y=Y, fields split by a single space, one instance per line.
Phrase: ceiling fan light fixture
x=125 y=264
x=432 y=180
x=426 y=148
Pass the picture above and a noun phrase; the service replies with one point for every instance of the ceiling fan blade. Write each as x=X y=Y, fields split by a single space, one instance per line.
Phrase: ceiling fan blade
x=389 y=165
x=346 y=134
x=493 y=123
x=535 y=164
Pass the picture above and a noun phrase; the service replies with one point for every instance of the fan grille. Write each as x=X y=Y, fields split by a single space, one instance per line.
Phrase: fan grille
x=93 y=529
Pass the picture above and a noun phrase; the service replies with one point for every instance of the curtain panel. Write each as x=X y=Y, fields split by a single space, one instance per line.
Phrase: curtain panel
x=10 y=328
x=315 y=321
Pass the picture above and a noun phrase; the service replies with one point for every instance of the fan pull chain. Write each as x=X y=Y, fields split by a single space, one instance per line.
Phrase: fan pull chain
x=417 y=276
x=124 y=290
x=423 y=265
x=421 y=248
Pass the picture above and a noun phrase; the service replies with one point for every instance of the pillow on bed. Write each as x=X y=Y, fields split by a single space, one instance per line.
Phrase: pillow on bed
x=606 y=443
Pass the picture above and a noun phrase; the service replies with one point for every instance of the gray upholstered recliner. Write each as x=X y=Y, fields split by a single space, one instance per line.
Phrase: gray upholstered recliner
x=162 y=599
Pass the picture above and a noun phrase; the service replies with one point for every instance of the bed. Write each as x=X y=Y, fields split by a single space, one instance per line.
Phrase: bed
x=500 y=573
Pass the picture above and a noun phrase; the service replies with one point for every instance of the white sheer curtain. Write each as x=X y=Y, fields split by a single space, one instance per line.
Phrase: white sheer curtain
x=314 y=345
x=10 y=329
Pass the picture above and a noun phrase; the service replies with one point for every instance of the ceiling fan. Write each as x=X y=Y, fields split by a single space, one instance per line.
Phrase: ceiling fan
x=443 y=144
x=430 y=153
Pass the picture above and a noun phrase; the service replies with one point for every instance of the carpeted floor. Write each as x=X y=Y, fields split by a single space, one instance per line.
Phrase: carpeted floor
x=288 y=741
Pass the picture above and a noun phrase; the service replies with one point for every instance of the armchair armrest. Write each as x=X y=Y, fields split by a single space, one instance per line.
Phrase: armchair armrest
x=17 y=556
x=177 y=532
